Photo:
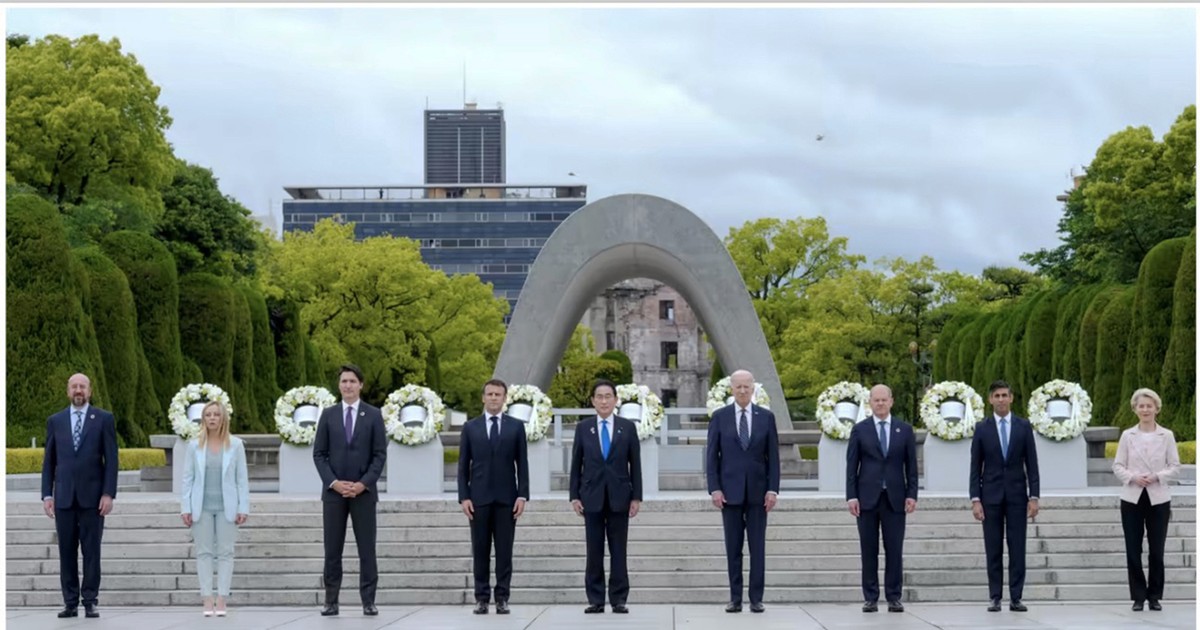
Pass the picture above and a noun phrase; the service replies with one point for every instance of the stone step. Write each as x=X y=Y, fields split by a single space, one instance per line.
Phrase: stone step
x=575 y=595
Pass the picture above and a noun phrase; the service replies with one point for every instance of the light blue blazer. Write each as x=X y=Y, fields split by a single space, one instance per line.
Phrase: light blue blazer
x=235 y=484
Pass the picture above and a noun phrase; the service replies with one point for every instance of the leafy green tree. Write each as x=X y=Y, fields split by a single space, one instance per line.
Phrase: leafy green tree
x=1039 y=341
x=578 y=371
x=1112 y=350
x=465 y=326
x=266 y=391
x=48 y=332
x=243 y=365
x=626 y=374
x=207 y=327
x=205 y=229
x=1179 y=367
x=989 y=327
x=84 y=123
x=1065 y=363
x=1011 y=282
x=1089 y=331
x=289 y=346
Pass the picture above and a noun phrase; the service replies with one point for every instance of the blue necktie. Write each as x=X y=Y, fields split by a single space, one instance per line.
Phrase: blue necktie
x=605 y=442
x=1004 y=437
x=349 y=424
x=744 y=432
x=494 y=437
x=883 y=437
x=77 y=433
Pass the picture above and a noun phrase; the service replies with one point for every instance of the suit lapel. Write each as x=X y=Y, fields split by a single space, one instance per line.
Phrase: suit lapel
x=358 y=422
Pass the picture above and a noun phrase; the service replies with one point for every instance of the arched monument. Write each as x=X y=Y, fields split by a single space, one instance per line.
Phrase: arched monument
x=634 y=236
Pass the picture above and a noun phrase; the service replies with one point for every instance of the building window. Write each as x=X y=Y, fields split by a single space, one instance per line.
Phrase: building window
x=666 y=310
x=610 y=340
x=669 y=396
x=670 y=355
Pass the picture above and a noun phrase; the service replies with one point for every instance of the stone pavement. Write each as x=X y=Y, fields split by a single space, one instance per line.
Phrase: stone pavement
x=1044 y=616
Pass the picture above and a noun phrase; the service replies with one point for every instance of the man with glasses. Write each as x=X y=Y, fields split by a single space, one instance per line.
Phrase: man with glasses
x=606 y=490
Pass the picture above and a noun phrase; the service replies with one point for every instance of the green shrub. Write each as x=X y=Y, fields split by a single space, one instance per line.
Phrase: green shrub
x=808 y=453
x=1039 y=342
x=1179 y=366
x=1065 y=364
x=266 y=391
x=207 y=325
x=1112 y=340
x=29 y=460
x=1089 y=330
x=1187 y=451
x=625 y=375
x=289 y=346
x=150 y=271
x=48 y=331
x=242 y=363
x=450 y=455
x=967 y=340
x=980 y=377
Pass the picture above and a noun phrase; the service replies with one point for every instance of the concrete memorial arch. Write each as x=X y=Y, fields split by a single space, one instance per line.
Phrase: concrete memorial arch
x=634 y=236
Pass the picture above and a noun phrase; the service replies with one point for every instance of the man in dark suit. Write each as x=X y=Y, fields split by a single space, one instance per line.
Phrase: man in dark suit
x=1004 y=492
x=743 y=479
x=79 y=482
x=493 y=486
x=881 y=490
x=350 y=451
x=606 y=490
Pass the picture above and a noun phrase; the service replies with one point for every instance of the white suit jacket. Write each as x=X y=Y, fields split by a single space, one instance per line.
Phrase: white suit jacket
x=1158 y=455
x=235 y=484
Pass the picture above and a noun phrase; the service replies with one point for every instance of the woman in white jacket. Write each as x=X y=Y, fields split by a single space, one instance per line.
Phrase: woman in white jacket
x=215 y=501
x=1147 y=458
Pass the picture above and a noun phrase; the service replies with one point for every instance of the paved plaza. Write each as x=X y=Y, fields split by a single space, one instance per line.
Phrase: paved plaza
x=918 y=616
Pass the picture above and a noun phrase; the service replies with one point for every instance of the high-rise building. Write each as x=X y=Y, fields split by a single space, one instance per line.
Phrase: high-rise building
x=464 y=146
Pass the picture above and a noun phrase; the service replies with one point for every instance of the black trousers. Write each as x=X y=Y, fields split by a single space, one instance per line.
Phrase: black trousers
x=79 y=527
x=1007 y=520
x=493 y=522
x=1138 y=519
x=870 y=522
x=361 y=512
x=742 y=522
x=615 y=527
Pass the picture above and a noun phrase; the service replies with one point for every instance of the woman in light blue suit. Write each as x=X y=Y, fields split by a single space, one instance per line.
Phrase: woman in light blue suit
x=215 y=501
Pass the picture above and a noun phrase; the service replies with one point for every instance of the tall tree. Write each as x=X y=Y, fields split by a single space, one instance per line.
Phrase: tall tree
x=205 y=229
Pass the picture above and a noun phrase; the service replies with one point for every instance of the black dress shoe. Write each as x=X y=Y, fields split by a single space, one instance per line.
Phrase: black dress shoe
x=620 y=609
x=1016 y=606
x=69 y=611
x=1154 y=605
x=370 y=610
x=870 y=607
x=481 y=607
x=895 y=607
x=329 y=610
x=90 y=611
x=995 y=605
x=757 y=607
x=733 y=608
x=1138 y=606
x=594 y=609
x=501 y=606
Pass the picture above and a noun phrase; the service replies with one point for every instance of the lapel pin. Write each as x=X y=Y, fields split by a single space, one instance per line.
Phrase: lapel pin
x=593 y=430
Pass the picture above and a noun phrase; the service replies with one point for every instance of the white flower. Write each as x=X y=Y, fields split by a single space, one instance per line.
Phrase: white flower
x=721 y=394
x=285 y=408
x=1072 y=427
x=832 y=425
x=539 y=421
x=427 y=431
x=652 y=408
x=187 y=396
x=931 y=410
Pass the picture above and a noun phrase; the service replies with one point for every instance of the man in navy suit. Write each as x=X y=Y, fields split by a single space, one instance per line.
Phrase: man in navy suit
x=606 y=490
x=1004 y=492
x=350 y=450
x=743 y=479
x=493 y=486
x=881 y=490
x=79 y=482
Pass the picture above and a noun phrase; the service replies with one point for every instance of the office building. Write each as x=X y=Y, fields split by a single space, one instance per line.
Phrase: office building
x=464 y=146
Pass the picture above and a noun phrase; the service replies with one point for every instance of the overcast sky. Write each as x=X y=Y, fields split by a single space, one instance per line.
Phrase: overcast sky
x=947 y=131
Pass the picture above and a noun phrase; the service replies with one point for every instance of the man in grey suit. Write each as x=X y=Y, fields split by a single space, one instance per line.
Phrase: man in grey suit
x=350 y=451
x=79 y=482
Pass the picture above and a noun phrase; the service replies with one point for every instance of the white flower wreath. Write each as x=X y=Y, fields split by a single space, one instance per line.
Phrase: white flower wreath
x=187 y=396
x=652 y=408
x=435 y=415
x=539 y=422
x=931 y=410
x=832 y=425
x=1060 y=430
x=721 y=393
x=285 y=408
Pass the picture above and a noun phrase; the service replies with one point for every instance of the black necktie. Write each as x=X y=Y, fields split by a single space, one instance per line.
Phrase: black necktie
x=744 y=432
x=494 y=435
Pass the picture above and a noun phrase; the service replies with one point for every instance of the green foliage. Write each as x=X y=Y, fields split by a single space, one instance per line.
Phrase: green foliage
x=450 y=455
x=625 y=376
x=205 y=229
x=316 y=370
x=49 y=334
x=20 y=461
x=578 y=371
x=1137 y=193
x=115 y=321
x=148 y=413
x=289 y=346
x=1150 y=330
x=1012 y=282
x=1039 y=341
x=207 y=328
x=1065 y=364
x=83 y=287
x=1014 y=349
x=988 y=332
x=242 y=394
x=191 y=372
x=1187 y=451
x=945 y=358
x=717 y=373
x=266 y=391
x=1089 y=331
x=1179 y=366
x=148 y=267
x=465 y=328
x=1112 y=341
x=84 y=123
x=968 y=342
